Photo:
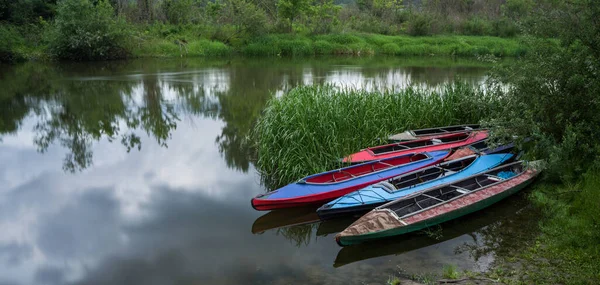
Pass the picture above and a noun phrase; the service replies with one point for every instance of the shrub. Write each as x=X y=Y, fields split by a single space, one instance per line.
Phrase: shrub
x=323 y=47
x=505 y=28
x=553 y=94
x=477 y=27
x=419 y=25
x=83 y=31
x=10 y=43
x=390 y=48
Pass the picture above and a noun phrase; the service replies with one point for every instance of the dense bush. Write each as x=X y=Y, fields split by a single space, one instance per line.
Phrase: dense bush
x=84 y=31
x=10 y=44
x=553 y=94
x=419 y=25
x=477 y=27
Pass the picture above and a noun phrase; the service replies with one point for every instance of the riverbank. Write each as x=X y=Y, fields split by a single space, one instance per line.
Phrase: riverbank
x=147 y=43
x=336 y=44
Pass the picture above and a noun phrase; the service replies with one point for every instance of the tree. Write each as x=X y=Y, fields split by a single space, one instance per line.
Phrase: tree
x=324 y=16
x=290 y=10
x=83 y=31
x=553 y=95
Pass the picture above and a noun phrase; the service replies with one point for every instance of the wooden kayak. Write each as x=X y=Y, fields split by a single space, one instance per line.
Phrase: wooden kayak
x=365 y=199
x=324 y=187
x=423 y=145
x=432 y=132
x=436 y=205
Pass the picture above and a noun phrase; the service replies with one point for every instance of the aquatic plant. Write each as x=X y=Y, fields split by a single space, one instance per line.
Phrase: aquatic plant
x=450 y=271
x=310 y=128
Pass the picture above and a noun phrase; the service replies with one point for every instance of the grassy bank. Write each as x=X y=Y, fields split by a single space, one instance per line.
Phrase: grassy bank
x=568 y=249
x=364 y=44
x=307 y=130
x=184 y=45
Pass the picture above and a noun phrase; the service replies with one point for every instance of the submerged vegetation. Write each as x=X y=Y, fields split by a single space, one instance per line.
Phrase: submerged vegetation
x=309 y=129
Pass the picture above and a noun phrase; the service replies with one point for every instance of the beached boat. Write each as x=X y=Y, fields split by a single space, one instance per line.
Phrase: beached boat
x=365 y=199
x=504 y=212
x=432 y=132
x=423 y=145
x=436 y=205
x=324 y=187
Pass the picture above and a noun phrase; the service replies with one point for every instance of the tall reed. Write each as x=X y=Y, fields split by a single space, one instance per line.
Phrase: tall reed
x=308 y=129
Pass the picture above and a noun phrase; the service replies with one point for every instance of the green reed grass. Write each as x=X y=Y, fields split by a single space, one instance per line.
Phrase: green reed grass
x=308 y=129
x=361 y=44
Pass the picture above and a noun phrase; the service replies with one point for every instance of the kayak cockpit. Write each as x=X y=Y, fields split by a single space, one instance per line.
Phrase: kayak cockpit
x=433 y=173
x=418 y=143
x=411 y=205
x=359 y=170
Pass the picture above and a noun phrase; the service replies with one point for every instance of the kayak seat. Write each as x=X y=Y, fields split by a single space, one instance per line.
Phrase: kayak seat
x=386 y=186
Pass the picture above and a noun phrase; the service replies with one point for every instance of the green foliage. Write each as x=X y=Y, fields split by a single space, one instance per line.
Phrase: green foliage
x=393 y=280
x=249 y=20
x=179 y=11
x=570 y=231
x=553 y=92
x=516 y=9
x=324 y=17
x=290 y=10
x=370 y=44
x=450 y=271
x=21 y=12
x=10 y=44
x=170 y=48
x=419 y=25
x=390 y=48
x=308 y=129
x=83 y=31
x=477 y=27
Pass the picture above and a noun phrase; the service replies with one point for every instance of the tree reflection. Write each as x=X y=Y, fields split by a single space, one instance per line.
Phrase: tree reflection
x=122 y=100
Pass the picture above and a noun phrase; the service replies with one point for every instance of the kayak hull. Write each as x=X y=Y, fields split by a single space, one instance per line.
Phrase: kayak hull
x=453 y=209
x=306 y=194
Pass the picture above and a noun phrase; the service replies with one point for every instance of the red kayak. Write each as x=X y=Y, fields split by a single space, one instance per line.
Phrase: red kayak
x=441 y=142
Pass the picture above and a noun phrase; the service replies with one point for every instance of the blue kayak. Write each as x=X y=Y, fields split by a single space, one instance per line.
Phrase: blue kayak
x=377 y=194
x=320 y=188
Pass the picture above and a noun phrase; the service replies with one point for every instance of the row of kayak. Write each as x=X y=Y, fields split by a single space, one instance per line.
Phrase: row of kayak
x=424 y=178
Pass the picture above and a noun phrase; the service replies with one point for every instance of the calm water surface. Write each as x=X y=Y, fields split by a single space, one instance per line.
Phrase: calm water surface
x=136 y=173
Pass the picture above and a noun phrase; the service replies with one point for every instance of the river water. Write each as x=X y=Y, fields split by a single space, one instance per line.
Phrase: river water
x=135 y=172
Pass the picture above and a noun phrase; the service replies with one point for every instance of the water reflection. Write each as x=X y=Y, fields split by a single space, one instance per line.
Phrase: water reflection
x=285 y=218
x=482 y=235
x=158 y=176
x=78 y=105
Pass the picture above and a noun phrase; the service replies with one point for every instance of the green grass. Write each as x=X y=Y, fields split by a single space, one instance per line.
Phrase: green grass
x=567 y=250
x=361 y=44
x=393 y=280
x=450 y=271
x=308 y=129
x=169 y=48
x=161 y=40
x=570 y=238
